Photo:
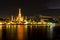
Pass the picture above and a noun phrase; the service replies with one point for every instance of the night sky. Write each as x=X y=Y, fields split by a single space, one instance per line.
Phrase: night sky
x=54 y=4
x=29 y=7
x=54 y=7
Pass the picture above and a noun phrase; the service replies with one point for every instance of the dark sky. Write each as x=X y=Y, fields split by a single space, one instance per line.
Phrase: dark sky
x=54 y=4
x=29 y=7
x=8 y=8
x=54 y=7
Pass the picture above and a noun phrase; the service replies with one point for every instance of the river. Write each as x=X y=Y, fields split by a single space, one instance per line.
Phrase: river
x=28 y=32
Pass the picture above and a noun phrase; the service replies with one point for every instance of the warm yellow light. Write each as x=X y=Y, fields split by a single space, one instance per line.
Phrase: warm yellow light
x=39 y=23
x=8 y=23
x=1 y=23
x=44 y=22
x=25 y=26
x=0 y=31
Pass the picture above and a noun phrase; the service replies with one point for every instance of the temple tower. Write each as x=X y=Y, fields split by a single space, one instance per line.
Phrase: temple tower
x=19 y=17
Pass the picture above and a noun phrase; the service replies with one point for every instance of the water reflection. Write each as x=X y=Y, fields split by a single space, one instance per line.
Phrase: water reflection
x=0 y=32
x=28 y=32
x=11 y=32
x=20 y=32
x=51 y=31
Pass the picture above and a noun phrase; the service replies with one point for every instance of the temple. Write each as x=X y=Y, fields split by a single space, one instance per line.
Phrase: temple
x=19 y=17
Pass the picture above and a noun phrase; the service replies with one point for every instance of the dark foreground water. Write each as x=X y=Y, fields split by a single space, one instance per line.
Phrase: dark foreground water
x=29 y=32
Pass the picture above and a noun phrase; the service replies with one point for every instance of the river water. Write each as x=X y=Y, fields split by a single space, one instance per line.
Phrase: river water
x=28 y=32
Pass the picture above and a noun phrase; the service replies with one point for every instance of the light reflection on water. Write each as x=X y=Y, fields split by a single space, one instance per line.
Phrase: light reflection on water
x=0 y=32
x=24 y=32
x=20 y=32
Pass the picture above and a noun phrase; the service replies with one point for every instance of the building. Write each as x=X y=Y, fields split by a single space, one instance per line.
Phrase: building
x=19 y=17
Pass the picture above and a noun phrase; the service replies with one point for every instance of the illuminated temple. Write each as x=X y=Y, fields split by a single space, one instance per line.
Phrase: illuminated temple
x=19 y=17
x=28 y=19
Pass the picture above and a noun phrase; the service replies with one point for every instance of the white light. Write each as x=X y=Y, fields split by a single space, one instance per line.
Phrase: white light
x=26 y=22
x=51 y=30
x=49 y=23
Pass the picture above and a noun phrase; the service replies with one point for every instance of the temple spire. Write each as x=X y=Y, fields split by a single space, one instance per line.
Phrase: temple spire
x=19 y=17
x=19 y=12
